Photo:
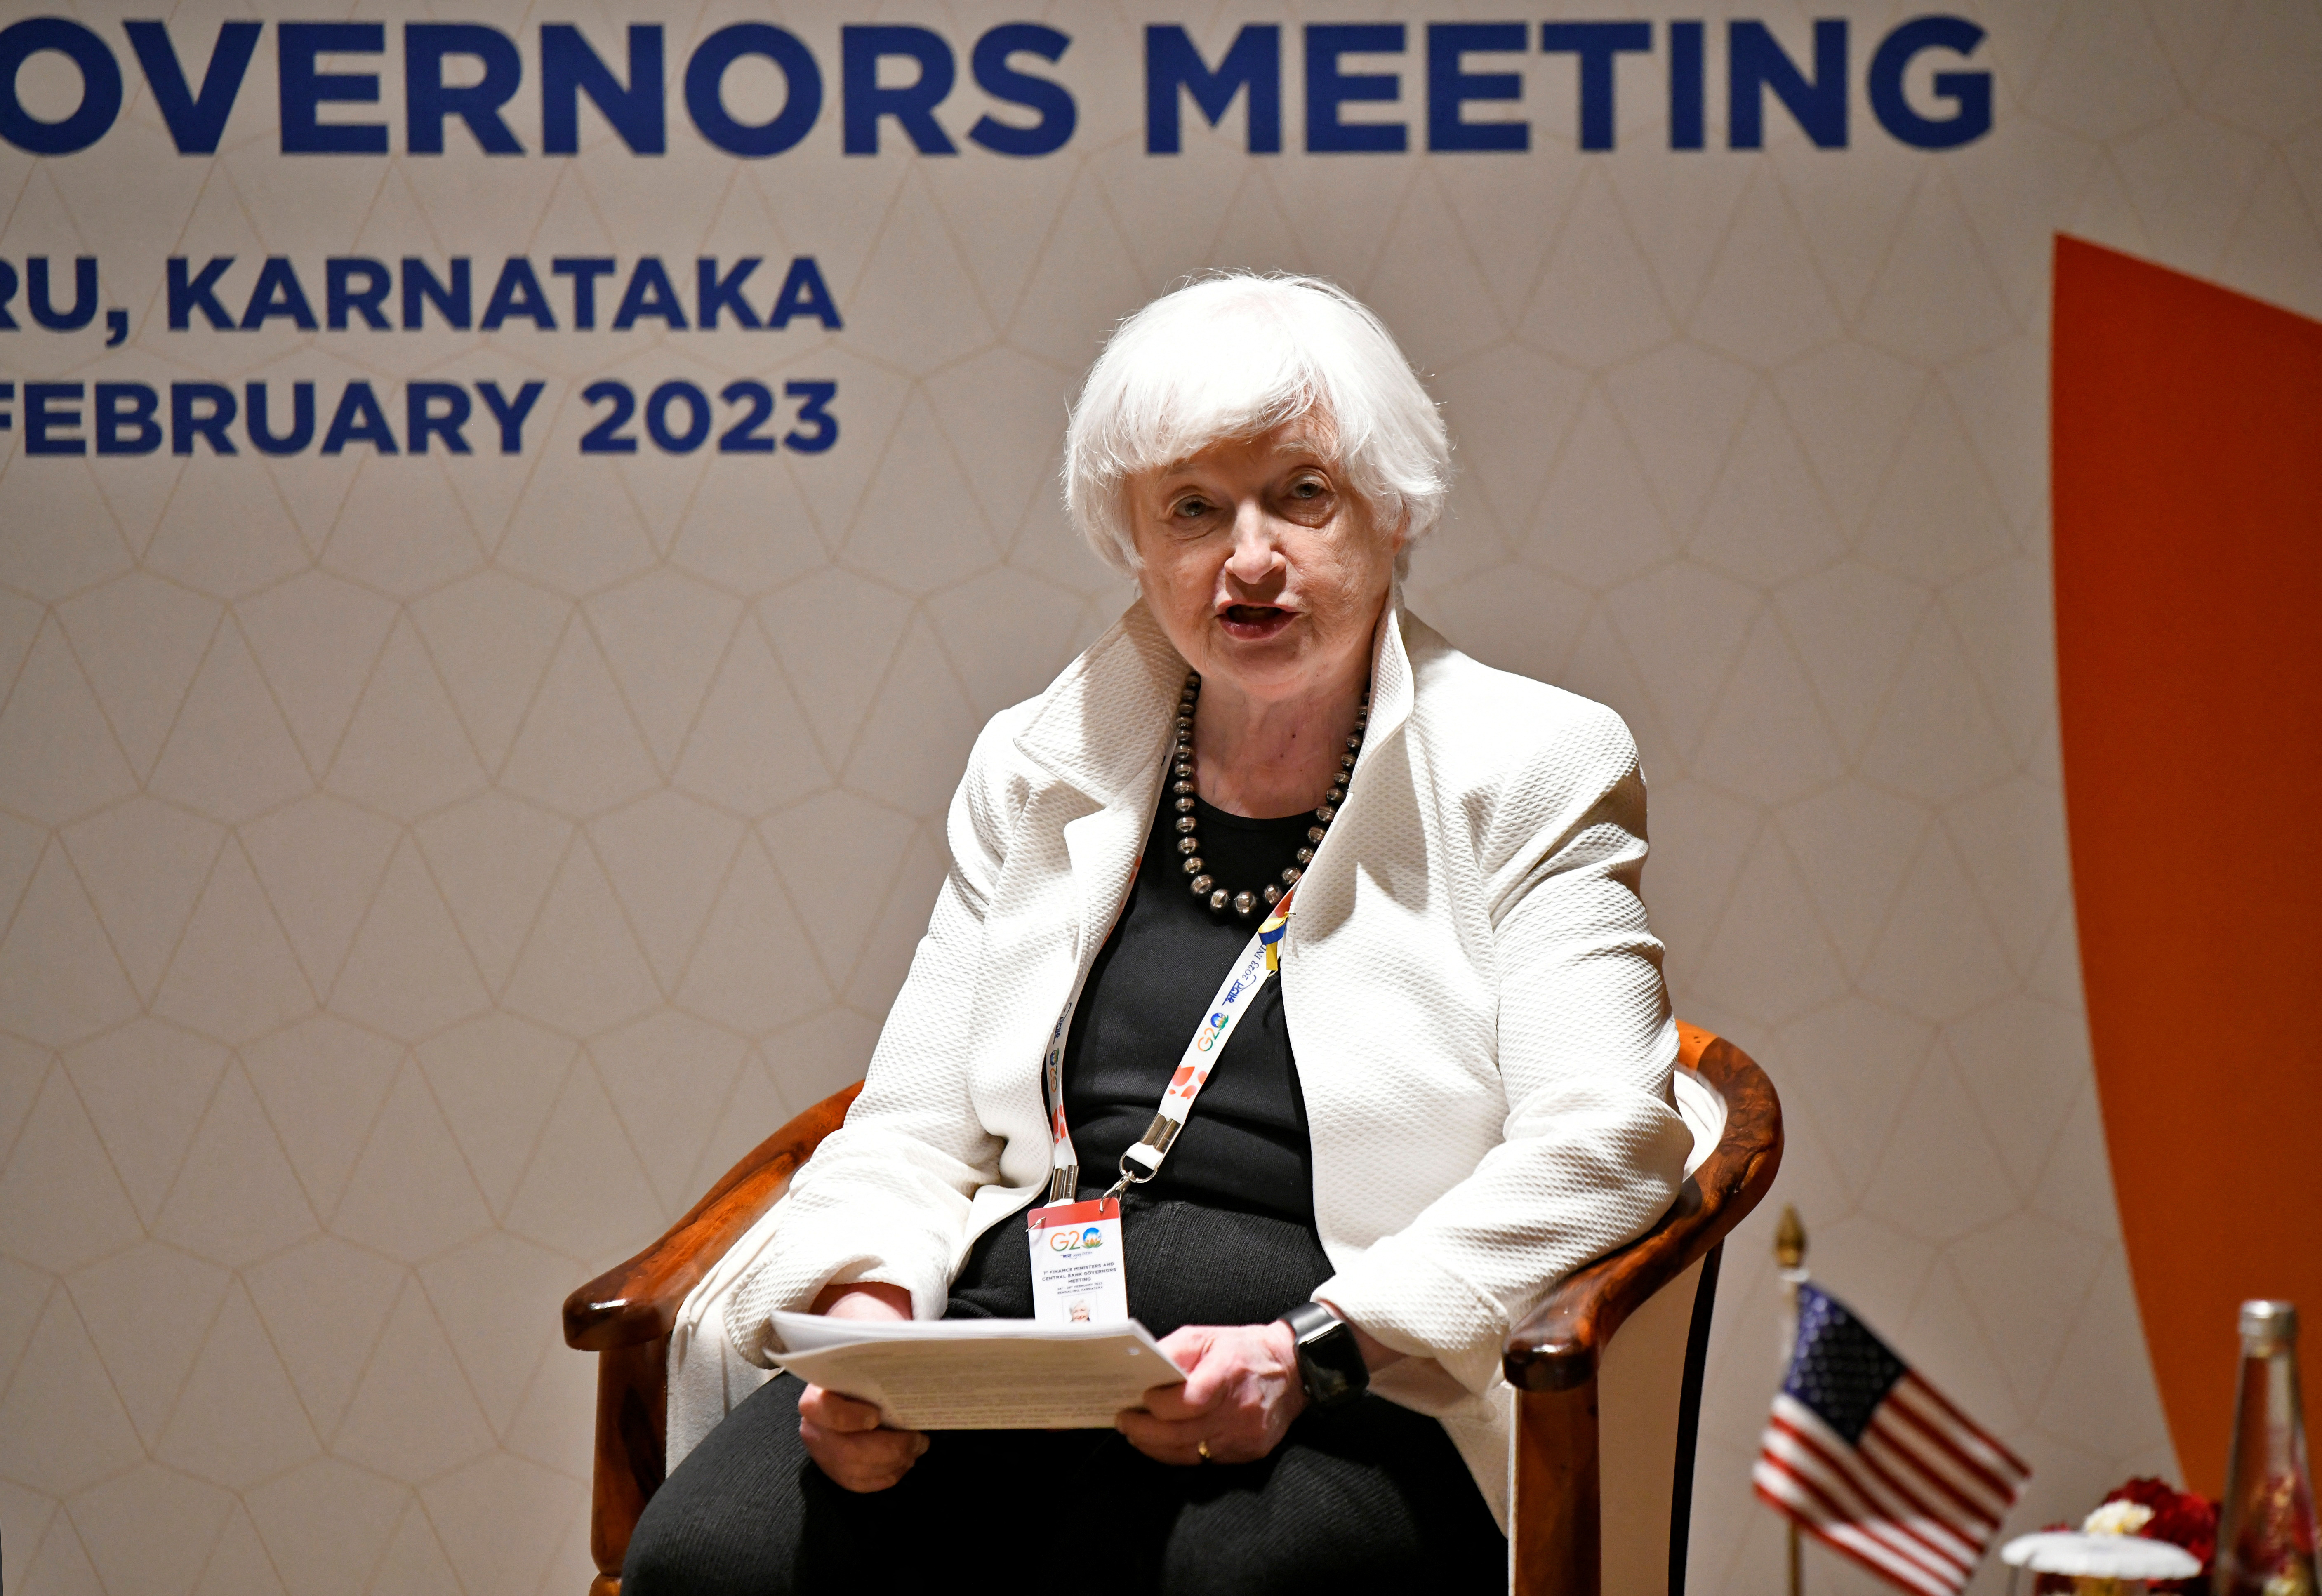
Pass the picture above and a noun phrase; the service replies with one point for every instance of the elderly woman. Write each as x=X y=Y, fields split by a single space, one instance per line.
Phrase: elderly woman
x=1456 y=1091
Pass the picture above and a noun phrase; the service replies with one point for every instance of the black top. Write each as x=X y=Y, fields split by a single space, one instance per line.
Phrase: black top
x=1245 y=1144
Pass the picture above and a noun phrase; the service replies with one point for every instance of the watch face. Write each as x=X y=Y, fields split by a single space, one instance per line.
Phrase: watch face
x=1331 y=1367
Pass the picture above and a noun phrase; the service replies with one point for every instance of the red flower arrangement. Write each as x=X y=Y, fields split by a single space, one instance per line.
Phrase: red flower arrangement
x=2180 y=1518
x=2177 y=1517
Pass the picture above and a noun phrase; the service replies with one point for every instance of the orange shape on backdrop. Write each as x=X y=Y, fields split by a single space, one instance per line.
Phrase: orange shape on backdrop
x=2187 y=459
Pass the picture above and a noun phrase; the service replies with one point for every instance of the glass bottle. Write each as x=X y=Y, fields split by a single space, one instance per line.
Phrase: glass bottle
x=2265 y=1534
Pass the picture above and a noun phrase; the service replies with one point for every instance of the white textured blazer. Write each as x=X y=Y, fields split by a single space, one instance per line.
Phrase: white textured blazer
x=1473 y=1001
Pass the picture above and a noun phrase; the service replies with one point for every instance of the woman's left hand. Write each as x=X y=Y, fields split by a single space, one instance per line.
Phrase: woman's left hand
x=1241 y=1392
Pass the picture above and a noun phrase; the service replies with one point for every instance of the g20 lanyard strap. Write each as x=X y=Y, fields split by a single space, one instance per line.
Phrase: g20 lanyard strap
x=1258 y=962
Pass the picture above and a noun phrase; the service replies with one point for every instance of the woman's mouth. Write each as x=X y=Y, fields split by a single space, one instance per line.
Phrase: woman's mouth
x=1254 y=623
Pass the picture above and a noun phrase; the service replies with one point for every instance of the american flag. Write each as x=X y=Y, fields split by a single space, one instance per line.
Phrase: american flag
x=1870 y=1460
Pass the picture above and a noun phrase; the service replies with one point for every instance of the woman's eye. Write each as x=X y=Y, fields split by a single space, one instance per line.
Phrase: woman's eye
x=1192 y=508
x=1307 y=489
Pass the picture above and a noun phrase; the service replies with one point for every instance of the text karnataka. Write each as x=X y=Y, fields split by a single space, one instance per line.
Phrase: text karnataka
x=902 y=77
x=360 y=292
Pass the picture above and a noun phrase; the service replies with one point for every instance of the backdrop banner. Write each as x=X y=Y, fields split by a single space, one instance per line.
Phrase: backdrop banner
x=511 y=518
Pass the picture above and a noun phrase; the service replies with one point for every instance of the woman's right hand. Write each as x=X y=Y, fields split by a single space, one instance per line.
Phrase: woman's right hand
x=843 y=1437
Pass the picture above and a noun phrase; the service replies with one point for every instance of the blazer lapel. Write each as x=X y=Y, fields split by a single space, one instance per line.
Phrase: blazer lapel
x=1106 y=720
x=1104 y=732
x=1098 y=738
x=1104 y=847
x=1326 y=894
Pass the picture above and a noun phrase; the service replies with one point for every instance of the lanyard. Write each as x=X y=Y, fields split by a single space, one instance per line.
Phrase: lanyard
x=1258 y=961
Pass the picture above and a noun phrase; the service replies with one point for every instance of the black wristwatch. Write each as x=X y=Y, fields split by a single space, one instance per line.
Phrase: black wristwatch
x=1329 y=1361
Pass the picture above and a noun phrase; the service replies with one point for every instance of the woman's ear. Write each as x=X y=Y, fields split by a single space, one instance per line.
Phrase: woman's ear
x=1398 y=545
x=1129 y=509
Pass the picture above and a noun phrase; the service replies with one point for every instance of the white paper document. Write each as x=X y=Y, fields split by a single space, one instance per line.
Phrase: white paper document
x=977 y=1374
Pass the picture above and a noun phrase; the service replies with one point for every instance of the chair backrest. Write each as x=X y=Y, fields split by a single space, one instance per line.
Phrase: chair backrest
x=1610 y=1368
x=1649 y=1397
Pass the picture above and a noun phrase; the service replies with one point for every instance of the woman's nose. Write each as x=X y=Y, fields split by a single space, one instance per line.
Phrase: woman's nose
x=1254 y=553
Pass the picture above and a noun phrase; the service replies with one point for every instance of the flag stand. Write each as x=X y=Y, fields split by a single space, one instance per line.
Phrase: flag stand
x=1790 y=1260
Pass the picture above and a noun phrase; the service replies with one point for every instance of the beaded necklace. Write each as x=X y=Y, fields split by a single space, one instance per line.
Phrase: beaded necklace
x=1245 y=903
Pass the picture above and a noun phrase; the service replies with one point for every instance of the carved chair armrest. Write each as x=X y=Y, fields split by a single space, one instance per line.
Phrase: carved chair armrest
x=1558 y=1347
x=638 y=1301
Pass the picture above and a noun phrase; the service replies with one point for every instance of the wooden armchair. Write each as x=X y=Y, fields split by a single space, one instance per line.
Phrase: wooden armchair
x=1605 y=1443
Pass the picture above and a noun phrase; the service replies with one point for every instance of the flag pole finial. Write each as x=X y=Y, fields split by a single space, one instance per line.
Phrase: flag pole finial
x=1790 y=1239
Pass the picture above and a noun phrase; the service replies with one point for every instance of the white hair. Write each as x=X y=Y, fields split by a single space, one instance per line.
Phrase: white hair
x=1235 y=354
